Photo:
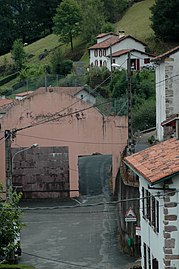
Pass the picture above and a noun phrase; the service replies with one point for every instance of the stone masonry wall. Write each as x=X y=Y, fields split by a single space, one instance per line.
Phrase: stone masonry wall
x=170 y=231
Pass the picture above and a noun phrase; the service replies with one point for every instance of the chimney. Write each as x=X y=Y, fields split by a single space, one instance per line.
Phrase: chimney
x=121 y=34
x=177 y=127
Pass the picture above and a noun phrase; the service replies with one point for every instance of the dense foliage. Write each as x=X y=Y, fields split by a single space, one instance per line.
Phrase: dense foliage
x=67 y=21
x=27 y=20
x=165 y=19
x=10 y=225
x=115 y=87
x=30 y=20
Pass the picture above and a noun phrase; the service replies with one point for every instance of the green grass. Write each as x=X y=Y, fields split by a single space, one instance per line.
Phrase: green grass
x=136 y=21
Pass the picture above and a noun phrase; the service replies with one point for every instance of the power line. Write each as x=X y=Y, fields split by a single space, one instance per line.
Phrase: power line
x=59 y=261
x=60 y=116
x=76 y=101
x=112 y=203
x=71 y=141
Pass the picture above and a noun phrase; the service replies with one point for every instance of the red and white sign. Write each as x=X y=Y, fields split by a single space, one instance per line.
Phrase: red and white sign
x=130 y=215
x=138 y=231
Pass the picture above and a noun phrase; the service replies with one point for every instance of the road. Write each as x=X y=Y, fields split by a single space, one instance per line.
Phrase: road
x=60 y=237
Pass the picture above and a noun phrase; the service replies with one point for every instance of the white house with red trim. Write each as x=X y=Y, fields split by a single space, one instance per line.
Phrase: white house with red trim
x=113 y=49
x=167 y=91
x=157 y=169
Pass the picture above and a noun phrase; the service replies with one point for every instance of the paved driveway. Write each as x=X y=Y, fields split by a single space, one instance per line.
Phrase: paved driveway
x=67 y=237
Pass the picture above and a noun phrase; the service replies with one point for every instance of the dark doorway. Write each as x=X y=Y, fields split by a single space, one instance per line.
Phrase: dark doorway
x=95 y=174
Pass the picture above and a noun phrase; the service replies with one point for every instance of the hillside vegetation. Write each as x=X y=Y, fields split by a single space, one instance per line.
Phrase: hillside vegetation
x=136 y=22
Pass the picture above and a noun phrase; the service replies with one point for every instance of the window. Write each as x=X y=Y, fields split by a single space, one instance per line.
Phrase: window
x=100 y=53
x=95 y=53
x=148 y=205
x=104 y=52
x=145 y=256
x=150 y=209
x=105 y=63
x=149 y=258
x=96 y=63
x=101 y=63
x=146 y=60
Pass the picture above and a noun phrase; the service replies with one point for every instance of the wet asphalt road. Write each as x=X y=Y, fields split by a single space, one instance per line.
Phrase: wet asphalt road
x=82 y=237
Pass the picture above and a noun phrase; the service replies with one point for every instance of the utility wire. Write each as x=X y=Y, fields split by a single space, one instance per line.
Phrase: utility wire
x=60 y=261
x=51 y=116
x=71 y=141
x=60 y=116
x=113 y=203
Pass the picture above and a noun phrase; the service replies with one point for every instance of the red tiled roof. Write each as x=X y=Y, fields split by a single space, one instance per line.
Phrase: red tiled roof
x=111 y=41
x=122 y=52
x=5 y=101
x=171 y=120
x=106 y=34
x=156 y=162
x=67 y=90
x=166 y=54
x=22 y=94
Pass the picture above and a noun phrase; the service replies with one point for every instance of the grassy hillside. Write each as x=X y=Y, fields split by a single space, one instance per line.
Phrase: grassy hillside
x=136 y=21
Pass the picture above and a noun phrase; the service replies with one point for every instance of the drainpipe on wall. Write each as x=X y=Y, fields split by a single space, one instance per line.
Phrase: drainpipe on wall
x=177 y=128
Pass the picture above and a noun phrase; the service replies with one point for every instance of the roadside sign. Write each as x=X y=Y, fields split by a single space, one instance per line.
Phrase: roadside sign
x=130 y=215
x=138 y=231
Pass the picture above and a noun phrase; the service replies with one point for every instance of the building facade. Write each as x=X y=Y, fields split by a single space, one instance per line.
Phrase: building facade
x=167 y=94
x=157 y=169
x=113 y=49
x=53 y=119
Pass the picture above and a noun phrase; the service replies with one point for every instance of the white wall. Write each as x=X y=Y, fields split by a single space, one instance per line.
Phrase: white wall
x=160 y=100
x=156 y=241
x=127 y=43
x=153 y=240
x=166 y=78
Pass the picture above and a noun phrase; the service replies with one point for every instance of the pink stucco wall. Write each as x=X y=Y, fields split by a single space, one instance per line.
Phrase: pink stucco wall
x=84 y=133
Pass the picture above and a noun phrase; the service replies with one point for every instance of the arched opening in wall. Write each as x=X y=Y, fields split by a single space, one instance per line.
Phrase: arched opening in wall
x=95 y=174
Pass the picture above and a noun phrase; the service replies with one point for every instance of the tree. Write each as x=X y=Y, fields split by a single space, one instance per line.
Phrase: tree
x=10 y=225
x=93 y=18
x=18 y=54
x=114 y=9
x=67 y=21
x=7 y=27
x=165 y=19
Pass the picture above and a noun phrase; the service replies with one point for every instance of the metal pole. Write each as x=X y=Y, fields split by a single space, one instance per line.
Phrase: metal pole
x=8 y=162
x=129 y=97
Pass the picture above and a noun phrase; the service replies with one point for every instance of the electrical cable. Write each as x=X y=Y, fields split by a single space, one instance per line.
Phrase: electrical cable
x=78 y=99
x=60 y=116
x=59 y=261
x=71 y=141
x=111 y=203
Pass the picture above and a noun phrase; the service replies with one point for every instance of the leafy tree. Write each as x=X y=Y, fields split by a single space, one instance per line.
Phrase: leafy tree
x=7 y=27
x=107 y=27
x=18 y=54
x=10 y=224
x=31 y=71
x=67 y=21
x=114 y=9
x=144 y=116
x=93 y=18
x=99 y=78
x=43 y=12
x=165 y=19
